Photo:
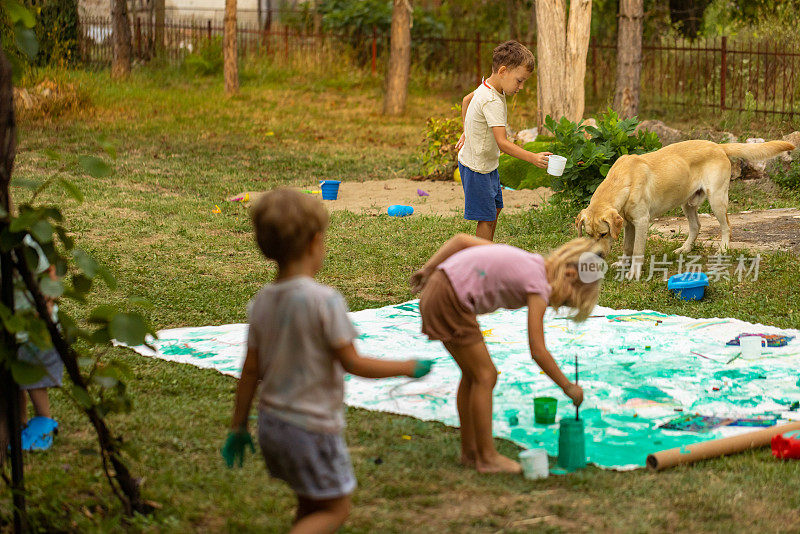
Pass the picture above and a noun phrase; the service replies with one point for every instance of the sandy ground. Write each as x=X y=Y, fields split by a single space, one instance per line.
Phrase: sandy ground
x=777 y=229
x=444 y=198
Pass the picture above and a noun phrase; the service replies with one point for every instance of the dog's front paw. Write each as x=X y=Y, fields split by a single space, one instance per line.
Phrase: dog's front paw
x=682 y=250
x=635 y=272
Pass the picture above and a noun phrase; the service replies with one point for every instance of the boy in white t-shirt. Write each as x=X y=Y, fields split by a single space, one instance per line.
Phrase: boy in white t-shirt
x=299 y=345
x=485 y=118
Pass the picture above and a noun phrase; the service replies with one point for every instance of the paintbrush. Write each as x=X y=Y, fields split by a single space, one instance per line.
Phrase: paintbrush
x=576 y=383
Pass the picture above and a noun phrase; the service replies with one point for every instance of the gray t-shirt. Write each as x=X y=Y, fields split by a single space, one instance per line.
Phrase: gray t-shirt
x=295 y=325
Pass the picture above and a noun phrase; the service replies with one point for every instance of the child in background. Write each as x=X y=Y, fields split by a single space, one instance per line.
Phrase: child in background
x=485 y=118
x=469 y=276
x=37 y=434
x=300 y=343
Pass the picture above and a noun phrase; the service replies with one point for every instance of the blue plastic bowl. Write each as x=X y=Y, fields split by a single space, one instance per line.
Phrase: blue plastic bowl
x=330 y=189
x=688 y=286
x=399 y=210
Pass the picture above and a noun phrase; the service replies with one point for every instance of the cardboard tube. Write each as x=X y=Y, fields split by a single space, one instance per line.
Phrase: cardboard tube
x=717 y=447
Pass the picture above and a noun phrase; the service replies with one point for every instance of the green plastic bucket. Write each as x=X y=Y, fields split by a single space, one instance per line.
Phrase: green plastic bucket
x=571 y=445
x=544 y=410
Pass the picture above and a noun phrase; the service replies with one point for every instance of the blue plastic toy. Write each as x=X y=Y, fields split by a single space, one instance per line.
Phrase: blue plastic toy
x=688 y=286
x=398 y=210
x=38 y=435
x=330 y=189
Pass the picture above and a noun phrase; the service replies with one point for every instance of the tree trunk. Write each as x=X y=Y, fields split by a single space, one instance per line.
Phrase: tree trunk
x=561 y=53
x=629 y=58
x=159 y=22
x=513 y=23
x=10 y=417
x=123 y=49
x=231 y=53
x=399 y=59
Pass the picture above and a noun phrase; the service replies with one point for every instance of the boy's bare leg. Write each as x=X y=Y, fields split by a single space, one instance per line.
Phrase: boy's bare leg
x=475 y=362
x=23 y=407
x=41 y=403
x=486 y=229
x=321 y=516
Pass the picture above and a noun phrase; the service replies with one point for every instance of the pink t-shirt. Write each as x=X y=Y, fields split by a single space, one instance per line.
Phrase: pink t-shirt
x=488 y=277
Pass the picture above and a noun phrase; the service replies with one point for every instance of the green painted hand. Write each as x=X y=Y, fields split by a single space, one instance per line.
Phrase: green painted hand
x=422 y=368
x=234 y=448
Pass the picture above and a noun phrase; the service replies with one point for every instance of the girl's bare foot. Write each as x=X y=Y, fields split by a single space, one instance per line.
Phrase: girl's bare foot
x=499 y=464
x=467 y=459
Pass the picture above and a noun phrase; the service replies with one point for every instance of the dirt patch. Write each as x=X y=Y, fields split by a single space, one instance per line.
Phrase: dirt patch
x=767 y=230
x=444 y=198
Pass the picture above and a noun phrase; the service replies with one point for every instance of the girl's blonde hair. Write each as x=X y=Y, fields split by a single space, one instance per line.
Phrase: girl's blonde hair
x=585 y=287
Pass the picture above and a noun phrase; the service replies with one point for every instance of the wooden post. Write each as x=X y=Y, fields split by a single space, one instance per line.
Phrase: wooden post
x=208 y=29
x=478 y=58
x=286 y=43
x=374 y=50
x=722 y=73
x=138 y=37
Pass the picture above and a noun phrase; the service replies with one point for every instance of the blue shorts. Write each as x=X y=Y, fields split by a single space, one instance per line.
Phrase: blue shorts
x=483 y=194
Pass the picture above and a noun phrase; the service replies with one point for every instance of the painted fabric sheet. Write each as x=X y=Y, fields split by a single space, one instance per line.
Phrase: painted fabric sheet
x=639 y=370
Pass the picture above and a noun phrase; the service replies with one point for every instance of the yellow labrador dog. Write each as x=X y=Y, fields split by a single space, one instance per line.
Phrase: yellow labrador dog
x=641 y=187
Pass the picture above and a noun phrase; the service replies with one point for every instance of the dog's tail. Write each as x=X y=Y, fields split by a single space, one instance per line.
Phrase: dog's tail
x=756 y=151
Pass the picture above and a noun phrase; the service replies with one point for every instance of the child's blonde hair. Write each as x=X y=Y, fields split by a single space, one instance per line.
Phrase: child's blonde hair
x=512 y=54
x=584 y=294
x=285 y=221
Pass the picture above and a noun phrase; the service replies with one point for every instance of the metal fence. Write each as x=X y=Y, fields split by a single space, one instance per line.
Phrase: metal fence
x=750 y=75
x=722 y=74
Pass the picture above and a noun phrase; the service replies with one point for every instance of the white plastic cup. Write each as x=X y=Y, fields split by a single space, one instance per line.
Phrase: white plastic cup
x=556 y=164
x=534 y=463
x=751 y=346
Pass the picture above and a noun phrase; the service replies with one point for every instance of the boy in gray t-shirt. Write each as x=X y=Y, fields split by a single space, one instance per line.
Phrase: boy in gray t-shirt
x=300 y=344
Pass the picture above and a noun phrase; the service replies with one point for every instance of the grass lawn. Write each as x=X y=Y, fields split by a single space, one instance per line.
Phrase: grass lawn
x=182 y=148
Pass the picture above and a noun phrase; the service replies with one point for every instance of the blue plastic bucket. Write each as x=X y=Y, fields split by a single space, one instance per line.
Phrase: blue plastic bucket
x=330 y=189
x=688 y=286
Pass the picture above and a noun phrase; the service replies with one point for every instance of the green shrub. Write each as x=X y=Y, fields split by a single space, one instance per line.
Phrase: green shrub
x=206 y=60
x=786 y=176
x=355 y=21
x=439 y=155
x=518 y=174
x=56 y=31
x=590 y=158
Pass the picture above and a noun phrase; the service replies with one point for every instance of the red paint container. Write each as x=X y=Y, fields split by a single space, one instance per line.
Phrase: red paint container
x=786 y=446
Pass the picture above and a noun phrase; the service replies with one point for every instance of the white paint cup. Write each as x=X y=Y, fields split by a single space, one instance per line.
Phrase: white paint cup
x=534 y=463
x=751 y=346
x=556 y=164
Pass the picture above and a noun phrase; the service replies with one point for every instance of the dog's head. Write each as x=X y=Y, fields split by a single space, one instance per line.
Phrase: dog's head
x=605 y=224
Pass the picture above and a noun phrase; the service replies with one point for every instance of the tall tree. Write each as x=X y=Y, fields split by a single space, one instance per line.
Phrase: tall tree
x=561 y=48
x=123 y=49
x=230 y=49
x=629 y=58
x=513 y=23
x=159 y=20
x=399 y=59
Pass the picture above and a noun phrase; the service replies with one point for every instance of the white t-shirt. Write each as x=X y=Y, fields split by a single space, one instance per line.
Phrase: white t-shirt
x=294 y=325
x=486 y=110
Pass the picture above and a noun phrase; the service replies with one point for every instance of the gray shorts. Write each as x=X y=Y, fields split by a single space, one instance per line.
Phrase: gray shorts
x=49 y=359
x=315 y=465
